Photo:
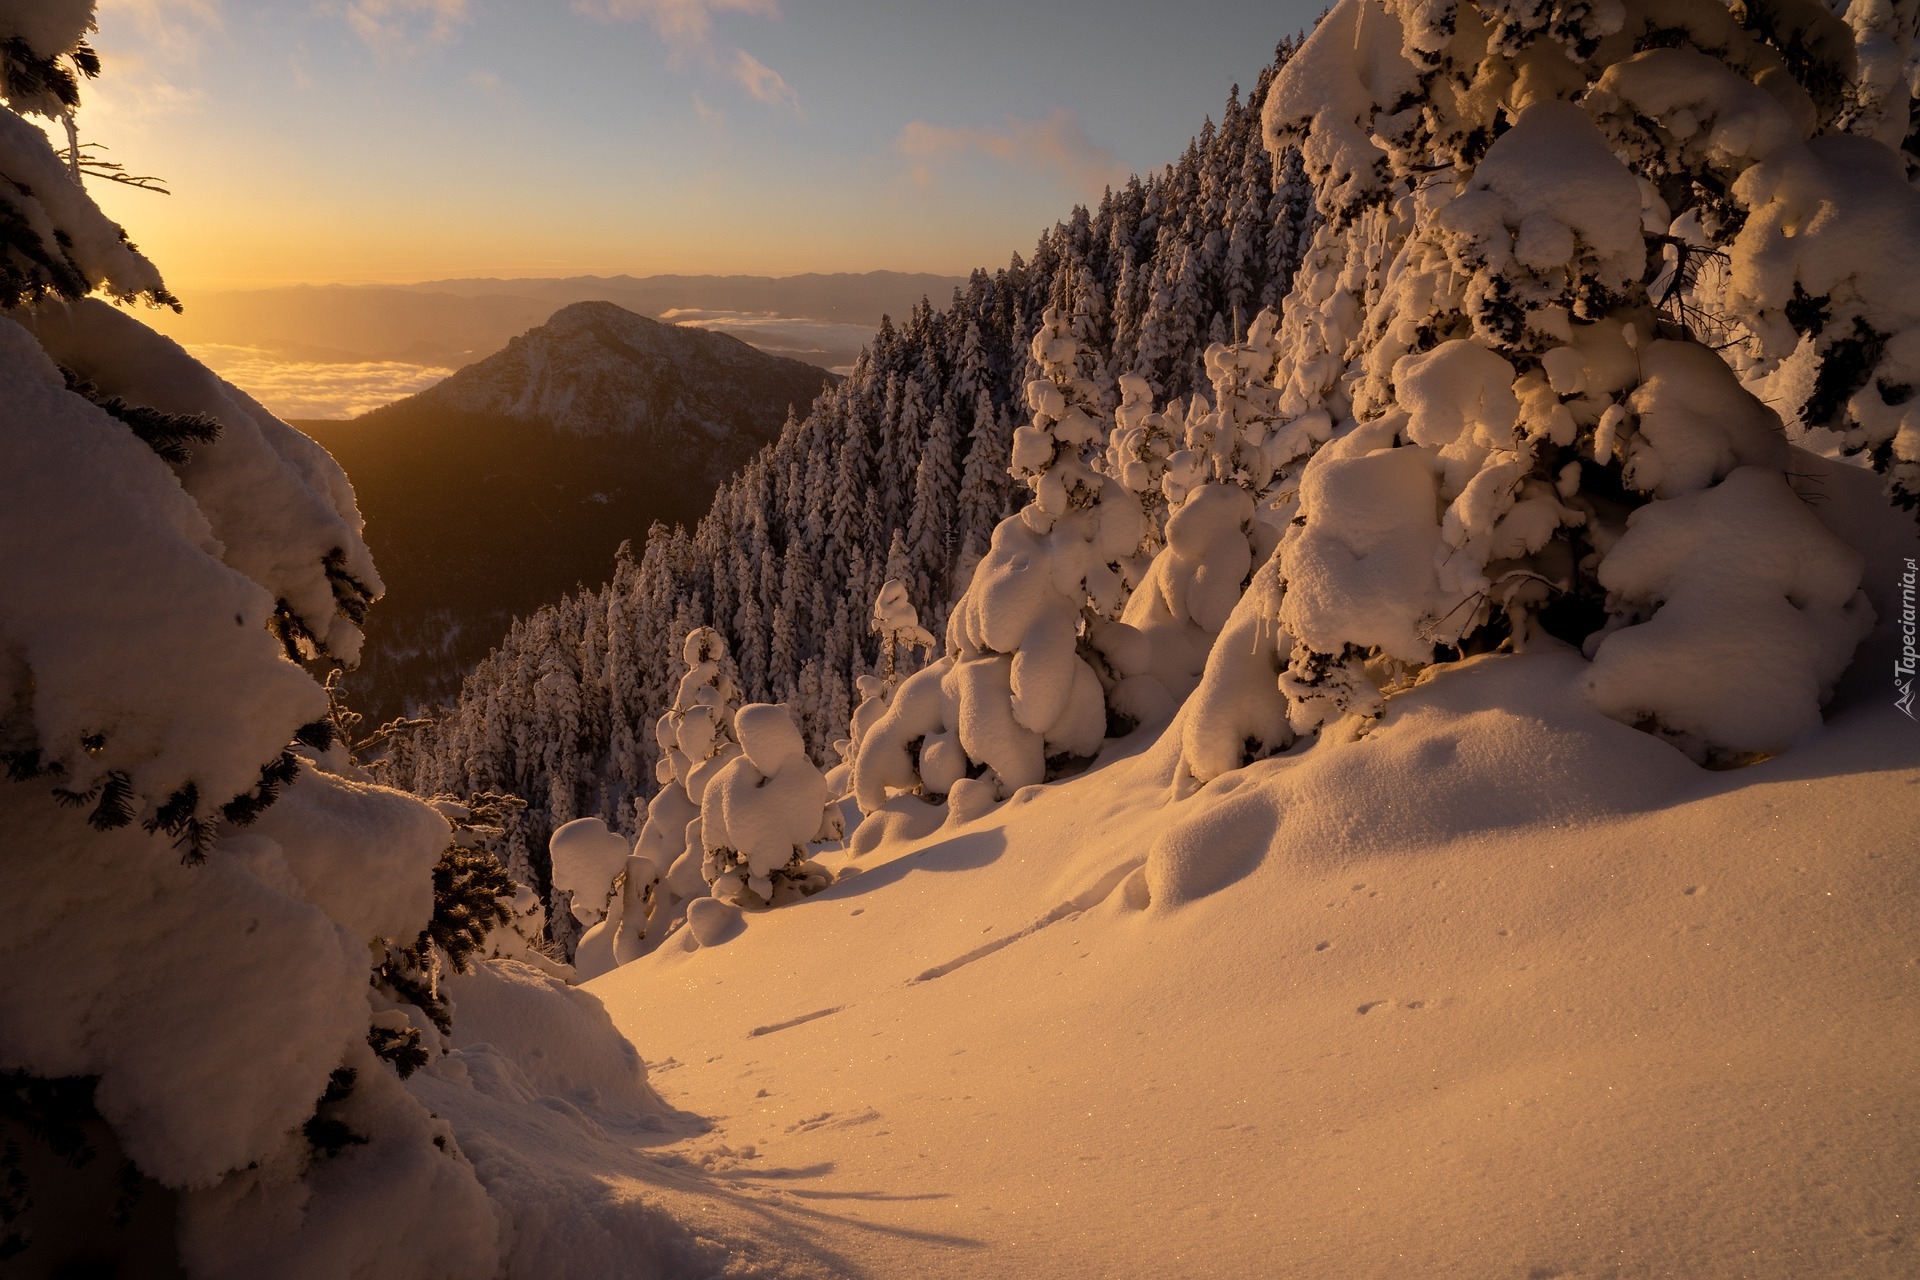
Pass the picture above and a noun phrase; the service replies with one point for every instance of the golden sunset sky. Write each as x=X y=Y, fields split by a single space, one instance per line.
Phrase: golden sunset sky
x=359 y=141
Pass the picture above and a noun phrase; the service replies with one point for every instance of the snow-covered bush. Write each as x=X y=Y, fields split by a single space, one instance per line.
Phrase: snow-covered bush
x=1742 y=575
x=1495 y=362
x=1228 y=443
x=897 y=623
x=1226 y=494
x=612 y=890
x=1140 y=449
x=762 y=809
x=586 y=857
x=913 y=745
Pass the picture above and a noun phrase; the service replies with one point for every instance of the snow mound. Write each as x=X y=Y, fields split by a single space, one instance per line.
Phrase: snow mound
x=711 y=922
x=557 y=1037
x=1444 y=759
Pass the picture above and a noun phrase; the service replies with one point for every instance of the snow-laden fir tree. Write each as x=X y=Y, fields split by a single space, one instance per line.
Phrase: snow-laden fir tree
x=482 y=825
x=1218 y=502
x=1016 y=688
x=195 y=876
x=897 y=623
x=696 y=738
x=586 y=857
x=1540 y=223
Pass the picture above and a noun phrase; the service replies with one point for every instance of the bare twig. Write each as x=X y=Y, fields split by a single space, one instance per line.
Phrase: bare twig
x=77 y=158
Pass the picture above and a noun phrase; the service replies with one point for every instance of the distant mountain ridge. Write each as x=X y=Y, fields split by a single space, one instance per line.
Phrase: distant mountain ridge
x=454 y=322
x=516 y=479
x=855 y=298
x=596 y=368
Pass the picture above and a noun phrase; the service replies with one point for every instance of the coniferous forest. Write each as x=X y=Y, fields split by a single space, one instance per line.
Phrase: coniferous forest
x=899 y=472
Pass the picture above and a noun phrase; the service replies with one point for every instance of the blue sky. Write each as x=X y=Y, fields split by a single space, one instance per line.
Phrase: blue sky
x=366 y=140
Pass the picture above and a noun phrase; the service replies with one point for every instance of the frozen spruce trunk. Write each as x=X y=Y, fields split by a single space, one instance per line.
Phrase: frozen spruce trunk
x=1584 y=281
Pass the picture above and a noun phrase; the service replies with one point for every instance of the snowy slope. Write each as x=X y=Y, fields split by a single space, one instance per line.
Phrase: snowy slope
x=1505 y=988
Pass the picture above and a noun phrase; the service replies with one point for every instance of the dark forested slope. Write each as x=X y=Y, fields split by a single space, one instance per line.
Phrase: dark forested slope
x=514 y=481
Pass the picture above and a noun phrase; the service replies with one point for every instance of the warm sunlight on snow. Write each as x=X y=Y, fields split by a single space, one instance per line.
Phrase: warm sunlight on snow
x=1348 y=712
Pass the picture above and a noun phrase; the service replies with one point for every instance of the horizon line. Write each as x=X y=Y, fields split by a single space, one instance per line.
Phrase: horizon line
x=235 y=286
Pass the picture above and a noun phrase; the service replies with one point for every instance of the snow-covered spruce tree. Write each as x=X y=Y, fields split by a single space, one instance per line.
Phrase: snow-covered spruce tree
x=1226 y=505
x=696 y=741
x=897 y=623
x=1536 y=218
x=761 y=811
x=1016 y=689
x=192 y=893
x=472 y=903
x=484 y=824
x=587 y=861
x=1139 y=446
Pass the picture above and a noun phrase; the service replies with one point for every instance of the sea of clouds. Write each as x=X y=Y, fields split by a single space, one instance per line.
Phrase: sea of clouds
x=313 y=390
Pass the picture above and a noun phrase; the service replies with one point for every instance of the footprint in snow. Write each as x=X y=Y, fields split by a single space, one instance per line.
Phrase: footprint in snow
x=829 y=1120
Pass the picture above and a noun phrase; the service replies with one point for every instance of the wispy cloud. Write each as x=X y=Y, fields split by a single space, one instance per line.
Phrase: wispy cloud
x=1057 y=144
x=686 y=28
x=401 y=26
x=684 y=24
x=712 y=118
x=152 y=50
x=169 y=29
x=763 y=83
